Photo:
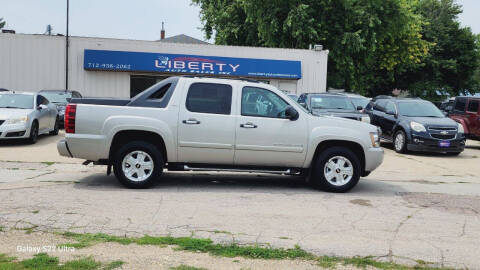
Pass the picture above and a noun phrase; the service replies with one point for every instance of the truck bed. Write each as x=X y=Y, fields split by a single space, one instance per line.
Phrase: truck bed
x=101 y=101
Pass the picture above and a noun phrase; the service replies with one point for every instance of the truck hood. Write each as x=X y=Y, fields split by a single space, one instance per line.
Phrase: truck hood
x=434 y=121
x=338 y=113
x=341 y=122
x=7 y=113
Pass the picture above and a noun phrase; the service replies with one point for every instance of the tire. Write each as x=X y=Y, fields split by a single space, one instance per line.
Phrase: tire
x=56 y=127
x=327 y=161
x=33 y=133
x=137 y=152
x=401 y=145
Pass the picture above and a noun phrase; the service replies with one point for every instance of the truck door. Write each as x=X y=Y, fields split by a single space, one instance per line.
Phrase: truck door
x=473 y=117
x=206 y=128
x=264 y=136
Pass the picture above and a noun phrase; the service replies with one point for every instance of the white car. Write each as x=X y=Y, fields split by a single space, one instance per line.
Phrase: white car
x=191 y=123
x=26 y=115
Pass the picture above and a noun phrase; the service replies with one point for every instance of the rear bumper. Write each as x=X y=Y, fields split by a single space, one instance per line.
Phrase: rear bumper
x=63 y=150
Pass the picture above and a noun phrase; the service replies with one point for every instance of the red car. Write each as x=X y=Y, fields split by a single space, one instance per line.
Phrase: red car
x=466 y=111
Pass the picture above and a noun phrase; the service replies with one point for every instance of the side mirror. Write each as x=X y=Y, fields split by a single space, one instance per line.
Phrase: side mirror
x=359 y=108
x=291 y=113
x=41 y=106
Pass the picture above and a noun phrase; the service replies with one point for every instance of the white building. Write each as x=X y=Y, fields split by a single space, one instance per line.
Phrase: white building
x=104 y=67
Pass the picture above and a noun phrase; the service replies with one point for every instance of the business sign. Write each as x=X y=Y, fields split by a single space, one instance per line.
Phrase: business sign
x=190 y=64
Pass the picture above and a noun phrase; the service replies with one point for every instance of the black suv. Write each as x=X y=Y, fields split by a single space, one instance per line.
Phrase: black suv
x=332 y=104
x=416 y=125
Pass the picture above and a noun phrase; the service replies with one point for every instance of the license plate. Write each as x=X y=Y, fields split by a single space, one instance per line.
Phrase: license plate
x=444 y=144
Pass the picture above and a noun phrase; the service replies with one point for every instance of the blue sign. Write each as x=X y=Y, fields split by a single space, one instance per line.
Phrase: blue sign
x=191 y=64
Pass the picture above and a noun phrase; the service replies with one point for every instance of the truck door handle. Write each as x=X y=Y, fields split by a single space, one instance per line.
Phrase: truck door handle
x=191 y=121
x=248 y=125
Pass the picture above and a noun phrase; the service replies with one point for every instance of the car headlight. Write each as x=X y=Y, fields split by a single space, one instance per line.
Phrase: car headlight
x=375 y=139
x=417 y=127
x=365 y=119
x=17 y=120
x=460 y=128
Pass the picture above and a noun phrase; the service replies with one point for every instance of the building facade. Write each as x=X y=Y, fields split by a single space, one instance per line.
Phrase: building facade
x=100 y=67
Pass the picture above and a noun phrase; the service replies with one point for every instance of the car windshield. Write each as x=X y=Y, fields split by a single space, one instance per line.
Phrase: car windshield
x=360 y=101
x=57 y=97
x=331 y=102
x=419 y=109
x=16 y=101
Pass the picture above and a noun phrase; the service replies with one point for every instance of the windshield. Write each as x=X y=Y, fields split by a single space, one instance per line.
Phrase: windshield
x=419 y=109
x=331 y=102
x=57 y=97
x=360 y=102
x=16 y=101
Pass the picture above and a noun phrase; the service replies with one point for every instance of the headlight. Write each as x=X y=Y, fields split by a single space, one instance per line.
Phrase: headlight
x=417 y=127
x=365 y=119
x=460 y=128
x=375 y=139
x=17 y=120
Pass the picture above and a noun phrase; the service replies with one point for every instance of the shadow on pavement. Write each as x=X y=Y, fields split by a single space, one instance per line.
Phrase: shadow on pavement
x=231 y=182
x=42 y=140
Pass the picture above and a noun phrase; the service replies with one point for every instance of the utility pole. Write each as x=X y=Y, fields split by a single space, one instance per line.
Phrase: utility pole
x=66 y=50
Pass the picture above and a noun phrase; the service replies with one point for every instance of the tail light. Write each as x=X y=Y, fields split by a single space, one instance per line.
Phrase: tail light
x=70 y=114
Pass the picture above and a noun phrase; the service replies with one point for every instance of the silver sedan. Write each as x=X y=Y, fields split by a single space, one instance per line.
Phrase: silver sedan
x=26 y=115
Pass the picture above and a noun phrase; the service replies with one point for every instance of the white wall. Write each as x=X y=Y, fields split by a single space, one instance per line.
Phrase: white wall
x=34 y=62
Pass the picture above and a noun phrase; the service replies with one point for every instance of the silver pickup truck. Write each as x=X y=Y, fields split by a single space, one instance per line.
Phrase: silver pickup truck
x=192 y=123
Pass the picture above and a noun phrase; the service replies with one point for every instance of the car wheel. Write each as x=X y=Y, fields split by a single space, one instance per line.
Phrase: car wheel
x=400 y=142
x=138 y=164
x=33 y=133
x=55 y=128
x=337 y=169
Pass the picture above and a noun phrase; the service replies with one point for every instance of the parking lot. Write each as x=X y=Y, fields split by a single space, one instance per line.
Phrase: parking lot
x=414 y=207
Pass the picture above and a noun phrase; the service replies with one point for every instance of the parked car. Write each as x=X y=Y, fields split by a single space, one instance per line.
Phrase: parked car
x=26 y=115
x=466 y=111
x=416 y=125
x=60 y=99
x=339 y=105
x=191 y=123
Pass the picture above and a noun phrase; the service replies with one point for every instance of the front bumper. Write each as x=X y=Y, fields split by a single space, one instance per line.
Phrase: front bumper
x=16 y=131
x=424 y=144
x=373 y=159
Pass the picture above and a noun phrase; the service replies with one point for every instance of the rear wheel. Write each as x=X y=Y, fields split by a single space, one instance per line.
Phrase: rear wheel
x=33 y=133
x=337 y=169
x=55 y=128
x=138 y=164
x=400 y=142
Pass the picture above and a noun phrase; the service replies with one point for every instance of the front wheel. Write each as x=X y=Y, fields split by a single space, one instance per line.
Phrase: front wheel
x=138 y=164
x=33 y=133
x=56 y=127
x=400 y=142
x=337 y=169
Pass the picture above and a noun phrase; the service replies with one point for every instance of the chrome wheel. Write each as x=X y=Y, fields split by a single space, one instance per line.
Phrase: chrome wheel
x=338 y=171
x=399 y=141
x=137 y=166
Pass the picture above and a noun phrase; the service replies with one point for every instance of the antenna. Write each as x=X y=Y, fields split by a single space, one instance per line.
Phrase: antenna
x=49 y=30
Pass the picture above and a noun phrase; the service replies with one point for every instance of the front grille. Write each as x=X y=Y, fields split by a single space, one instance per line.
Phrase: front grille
x=443 y=137
x=442 y=129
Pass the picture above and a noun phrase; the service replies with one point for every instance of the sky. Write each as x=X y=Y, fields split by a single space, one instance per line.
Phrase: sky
x=129 y=19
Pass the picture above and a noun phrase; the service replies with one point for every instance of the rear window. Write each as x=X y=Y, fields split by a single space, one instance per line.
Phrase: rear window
x=209 y=98
x=473 y=106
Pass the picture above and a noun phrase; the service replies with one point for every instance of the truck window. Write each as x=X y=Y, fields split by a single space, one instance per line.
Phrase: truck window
x=263 y=103
x=460 y=105
x=472 y=106
x=209 y=98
